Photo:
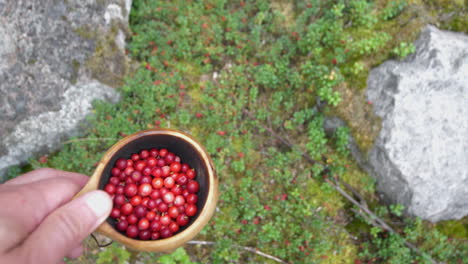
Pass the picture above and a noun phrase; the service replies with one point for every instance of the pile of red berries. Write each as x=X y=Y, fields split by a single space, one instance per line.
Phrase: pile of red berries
x=154 y=194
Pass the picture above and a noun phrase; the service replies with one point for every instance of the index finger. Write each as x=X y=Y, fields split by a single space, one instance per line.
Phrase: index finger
x=47 y=173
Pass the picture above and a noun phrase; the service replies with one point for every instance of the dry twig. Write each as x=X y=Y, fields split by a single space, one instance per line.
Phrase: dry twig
x=249 y=249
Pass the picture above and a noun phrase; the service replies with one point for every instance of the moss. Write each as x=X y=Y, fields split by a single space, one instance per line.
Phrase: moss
x=86 y=32
x=454 y=228
x=76 y=68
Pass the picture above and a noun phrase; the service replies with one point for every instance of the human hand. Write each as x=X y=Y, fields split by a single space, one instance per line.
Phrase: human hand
x=39 y=223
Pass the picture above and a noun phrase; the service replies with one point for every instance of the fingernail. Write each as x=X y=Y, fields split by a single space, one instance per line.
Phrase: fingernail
x=99 y=202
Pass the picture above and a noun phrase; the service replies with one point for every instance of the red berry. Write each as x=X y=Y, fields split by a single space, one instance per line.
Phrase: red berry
x=193 y=186
x=173 y=212
x=140 y=211
x=126 y=209
x=150 y=215
x=132 y=219
x=175 y=167
x=132 y=231
x=153 y=152
x=151 y=205
x=191 y=210
x=135 y=200
x=119 y=189
x=168 y=197
x=177 y=190
x=151 y=161
x=144 y=154
x=115 y=213
x=129 y=170
x=136 y=176
x=119 y=200
x=129 y=163
x=182 y=179
x=145 y=235
x=155 y=226
x=160 y=162
x=110 y=188
x=155 y=194
x=156 y=172
x=115 y=171
x=162 y=207
x=192 y=198
x=121 y=164
x=170 y=157
x=174 y=227
x=135 y=157
x=182 y=220
x=179 y=200
x=140 y=165
x=146 y=179
x=145 y=201
x=155 y=235
x=191 y=174
x=165 y=233
x=131 y=190
x=157 y=183
x=143 y=224
x=177 y=159
x=145 y=189
x=184 y=167
x=163 y=152
x=114 y=180
x=169 y=182
x=146 y=171
x=122 y=225
x=166 y=171
x=165 y=220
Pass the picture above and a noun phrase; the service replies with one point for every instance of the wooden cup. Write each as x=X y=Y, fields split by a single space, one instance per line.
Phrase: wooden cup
x=190 y=152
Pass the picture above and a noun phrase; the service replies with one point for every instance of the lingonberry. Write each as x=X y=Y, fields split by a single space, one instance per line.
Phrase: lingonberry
x=182 y=220
x=132 y=219
x=153 y=152
x=173 y=212
x=121 y=225
x=131 y=190
x=192 y=198
x=115 y=213
x=155 y=225
x=121 y=164
x=191 y=210
x=146 y=179
x=175 y=167
x=132 y=231
x=109 y=188
x=163 y=152
x=169 y=182
x=168 y=197
x=143 y=224
x=136 y=176
x=119 y=200
x=135 y=200
x=174 y=227
x=145 y=189
x=165 y=220
x=144 y=235
x=193 y=186
x=179 y=200
x=140 y=211
x=165 y=233
x=115 y=171
x=144 y=154
x=184 y=167
x=126 y=209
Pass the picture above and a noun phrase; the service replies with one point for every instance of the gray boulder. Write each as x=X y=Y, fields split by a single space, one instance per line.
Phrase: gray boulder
x=420 y=157
x=56 y=58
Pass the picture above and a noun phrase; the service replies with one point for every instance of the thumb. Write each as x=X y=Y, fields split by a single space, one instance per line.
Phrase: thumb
x=64 y=228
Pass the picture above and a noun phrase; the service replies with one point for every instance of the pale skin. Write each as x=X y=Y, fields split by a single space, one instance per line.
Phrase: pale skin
x=39 y=221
